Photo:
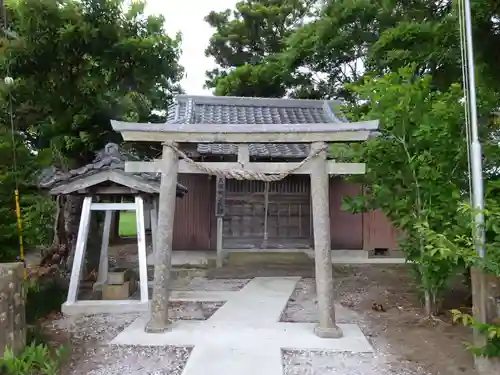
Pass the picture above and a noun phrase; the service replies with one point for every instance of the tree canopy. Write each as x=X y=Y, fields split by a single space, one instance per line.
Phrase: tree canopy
x=400 y=62
x=338 y=42
x=77 y=64
x=247 y=40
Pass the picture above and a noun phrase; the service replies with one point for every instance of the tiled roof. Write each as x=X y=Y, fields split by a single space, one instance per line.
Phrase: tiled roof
x=109 y=158
x=235 y=110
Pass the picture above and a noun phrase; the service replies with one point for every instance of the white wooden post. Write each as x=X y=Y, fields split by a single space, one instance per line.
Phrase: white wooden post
x=243 y=154
x=220 y=201
x=220 y=248
x=147 y=217
x=154 y=224
x=81 y=245
x=327 y=328
x=141 y=247
x=102 y=275
x=163 y=257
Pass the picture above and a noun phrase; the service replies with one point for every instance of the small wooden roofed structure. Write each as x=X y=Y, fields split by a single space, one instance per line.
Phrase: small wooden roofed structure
x=104 y=183
x=244 y=122
x=105 y=176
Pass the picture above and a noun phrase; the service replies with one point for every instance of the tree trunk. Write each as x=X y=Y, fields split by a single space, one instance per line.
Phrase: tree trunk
x=57 y=253
x=428 y=306
x=61 y=236
x=72 y=213
x=115 y=228
x=93 y=253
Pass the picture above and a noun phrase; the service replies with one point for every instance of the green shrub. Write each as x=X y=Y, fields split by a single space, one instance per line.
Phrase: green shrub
x=34 y=360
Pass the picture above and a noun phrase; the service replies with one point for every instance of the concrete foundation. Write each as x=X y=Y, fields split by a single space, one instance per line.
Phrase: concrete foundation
x=198 y=258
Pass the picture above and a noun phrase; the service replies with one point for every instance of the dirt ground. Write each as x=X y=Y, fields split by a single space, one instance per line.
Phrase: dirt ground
x=414 y=345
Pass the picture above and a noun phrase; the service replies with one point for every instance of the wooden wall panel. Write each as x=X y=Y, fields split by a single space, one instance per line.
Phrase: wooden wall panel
x=346 y=229
x=195 y=221
x=194 y=214
x=378 y=232
x=288 y=224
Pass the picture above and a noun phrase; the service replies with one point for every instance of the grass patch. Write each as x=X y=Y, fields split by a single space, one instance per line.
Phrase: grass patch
x=127 y=227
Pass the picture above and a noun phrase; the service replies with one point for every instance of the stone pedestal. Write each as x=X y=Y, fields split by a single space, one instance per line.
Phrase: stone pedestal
x=12 y=308
x=121 y=285
x=118 y=292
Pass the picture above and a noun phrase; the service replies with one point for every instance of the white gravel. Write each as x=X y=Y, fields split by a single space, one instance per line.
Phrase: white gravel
x=131 y=360
x=94 y=329
x=91 y=354
x=299 y=362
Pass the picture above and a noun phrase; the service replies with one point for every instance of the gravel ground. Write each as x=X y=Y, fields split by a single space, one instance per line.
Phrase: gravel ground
x=299 y=362
x=89 y=337
x=403 y=344
x=129 y=360
x=301 y=307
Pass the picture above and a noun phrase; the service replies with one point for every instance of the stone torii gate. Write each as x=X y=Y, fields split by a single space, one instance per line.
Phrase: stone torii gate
x=318 y=135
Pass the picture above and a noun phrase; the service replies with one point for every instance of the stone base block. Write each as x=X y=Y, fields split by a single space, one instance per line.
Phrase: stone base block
x=328 y=333
x=119 y=276
x=118 y=292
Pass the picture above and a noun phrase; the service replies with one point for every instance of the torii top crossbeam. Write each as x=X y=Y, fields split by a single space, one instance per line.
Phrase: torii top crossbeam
x=221 y=120
x=246 y=133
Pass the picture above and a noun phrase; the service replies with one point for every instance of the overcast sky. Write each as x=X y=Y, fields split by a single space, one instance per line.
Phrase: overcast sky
x=187 y=16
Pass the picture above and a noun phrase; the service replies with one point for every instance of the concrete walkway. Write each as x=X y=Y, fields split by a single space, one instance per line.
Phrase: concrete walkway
x=244 y=336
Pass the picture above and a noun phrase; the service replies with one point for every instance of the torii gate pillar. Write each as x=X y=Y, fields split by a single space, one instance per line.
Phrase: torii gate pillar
x=327 y=327
x=164 y=235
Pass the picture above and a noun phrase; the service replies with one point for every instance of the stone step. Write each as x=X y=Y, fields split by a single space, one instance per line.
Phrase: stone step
x=245 y=258
x=180 y=273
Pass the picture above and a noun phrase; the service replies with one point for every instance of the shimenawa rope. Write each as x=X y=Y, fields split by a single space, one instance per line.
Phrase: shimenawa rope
x=242 y=174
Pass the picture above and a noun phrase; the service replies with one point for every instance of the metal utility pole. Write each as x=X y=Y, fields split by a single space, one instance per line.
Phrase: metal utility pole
x=481 y=295
x=476 y=155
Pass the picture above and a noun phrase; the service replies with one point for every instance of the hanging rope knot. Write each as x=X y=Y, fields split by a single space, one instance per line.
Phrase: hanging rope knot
x=243 y=174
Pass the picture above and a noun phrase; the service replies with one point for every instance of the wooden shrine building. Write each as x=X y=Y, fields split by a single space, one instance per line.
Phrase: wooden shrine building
x=249 y=210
